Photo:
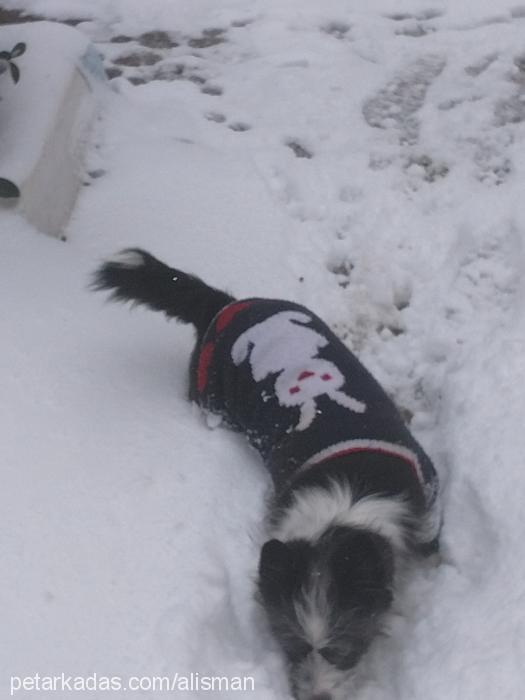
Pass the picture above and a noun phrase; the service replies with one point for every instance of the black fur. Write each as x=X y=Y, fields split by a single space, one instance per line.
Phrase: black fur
x=152 y=284
x=355 y=568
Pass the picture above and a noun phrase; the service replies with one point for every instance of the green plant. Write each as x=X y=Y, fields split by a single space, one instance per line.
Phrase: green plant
x=6 y=60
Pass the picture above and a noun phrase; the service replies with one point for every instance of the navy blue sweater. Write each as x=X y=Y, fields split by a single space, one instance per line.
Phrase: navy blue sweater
x=276 y=372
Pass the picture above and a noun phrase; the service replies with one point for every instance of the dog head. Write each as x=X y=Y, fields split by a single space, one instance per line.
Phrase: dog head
x=325 y=601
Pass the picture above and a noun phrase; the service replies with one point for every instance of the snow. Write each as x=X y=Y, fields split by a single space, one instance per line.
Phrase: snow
x=366 y=160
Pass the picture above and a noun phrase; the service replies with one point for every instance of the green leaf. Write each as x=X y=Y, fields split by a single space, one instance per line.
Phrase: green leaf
x=8 y=189
x=15 y=72
x=18 y=50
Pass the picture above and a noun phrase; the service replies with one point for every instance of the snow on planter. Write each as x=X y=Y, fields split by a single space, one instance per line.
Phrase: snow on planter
x=44 y=119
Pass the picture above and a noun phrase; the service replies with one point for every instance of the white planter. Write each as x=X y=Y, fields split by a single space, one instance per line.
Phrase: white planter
x=45 y=119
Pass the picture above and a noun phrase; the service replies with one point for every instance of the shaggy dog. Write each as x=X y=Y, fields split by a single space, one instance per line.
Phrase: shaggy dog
x=355 y=494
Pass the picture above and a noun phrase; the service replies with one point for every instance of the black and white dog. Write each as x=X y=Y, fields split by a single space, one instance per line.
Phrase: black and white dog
x=355 y=494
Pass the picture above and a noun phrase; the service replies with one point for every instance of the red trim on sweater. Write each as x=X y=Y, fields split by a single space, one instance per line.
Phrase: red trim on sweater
x=222 y=320
x=226 y=316
x=380 y=450
x=203 y=365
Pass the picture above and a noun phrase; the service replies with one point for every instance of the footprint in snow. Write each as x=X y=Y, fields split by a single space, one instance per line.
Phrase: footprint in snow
x=299 y=149
x=395 y=106
x=420 y=16
x=337 y=29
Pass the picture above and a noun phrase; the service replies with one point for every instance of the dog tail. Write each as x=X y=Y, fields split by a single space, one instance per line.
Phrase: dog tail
x=135 y=275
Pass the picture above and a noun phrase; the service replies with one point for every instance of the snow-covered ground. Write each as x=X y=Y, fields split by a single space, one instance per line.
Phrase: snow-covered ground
x=364 y=158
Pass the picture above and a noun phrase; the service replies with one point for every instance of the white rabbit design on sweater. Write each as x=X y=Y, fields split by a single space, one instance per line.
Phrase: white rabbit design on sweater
x=302 y=376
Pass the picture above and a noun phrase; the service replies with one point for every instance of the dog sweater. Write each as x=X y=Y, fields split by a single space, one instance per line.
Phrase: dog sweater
x=276 y=372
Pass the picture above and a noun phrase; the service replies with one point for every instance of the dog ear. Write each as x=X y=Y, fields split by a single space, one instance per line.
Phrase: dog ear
x=363 y=570
x=282 y=567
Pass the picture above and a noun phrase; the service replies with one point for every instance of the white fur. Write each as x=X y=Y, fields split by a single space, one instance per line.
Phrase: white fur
x=315 y=509
x=313 y=612
x=313 y=623
x=429 y=524
x=128 y=258
x=318 y=676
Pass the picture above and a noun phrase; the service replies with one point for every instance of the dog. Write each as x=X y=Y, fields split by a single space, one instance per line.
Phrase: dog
x=356 y=496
